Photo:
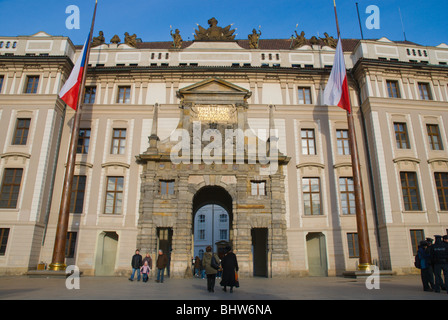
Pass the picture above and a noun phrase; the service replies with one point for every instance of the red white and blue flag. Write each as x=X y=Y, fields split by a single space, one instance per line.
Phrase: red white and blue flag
x=336 y=92
x=70 y=91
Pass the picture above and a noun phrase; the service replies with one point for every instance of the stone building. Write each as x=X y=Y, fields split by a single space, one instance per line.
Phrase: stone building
x=159 y=142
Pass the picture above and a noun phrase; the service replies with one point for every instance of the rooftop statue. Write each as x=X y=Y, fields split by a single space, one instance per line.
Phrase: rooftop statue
x=97 y=41
x=214 y=33
x=115 y=40
x=329 y=41
x=253 y=39
x=299 y=40
x=177 y=39
x=130 y=40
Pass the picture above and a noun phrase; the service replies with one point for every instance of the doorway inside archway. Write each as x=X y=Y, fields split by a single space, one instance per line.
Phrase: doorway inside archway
x=212 y=219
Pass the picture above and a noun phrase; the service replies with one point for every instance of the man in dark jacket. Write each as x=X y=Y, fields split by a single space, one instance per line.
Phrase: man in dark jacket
x=162 y=262
x=136 y=263
x=439 y=258
x=425 y=266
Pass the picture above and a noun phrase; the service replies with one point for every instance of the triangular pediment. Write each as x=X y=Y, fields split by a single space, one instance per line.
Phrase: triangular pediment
x=214 y=89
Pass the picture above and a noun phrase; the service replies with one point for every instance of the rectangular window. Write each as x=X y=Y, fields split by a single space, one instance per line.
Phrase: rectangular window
x=442 y=189
x=353 y=247
x=114 y=195
x=393 y=89
x=10 y=188
x=258 y=188
x=411 y=194
x=425 y=91
x=311 y=196
x=77 y=195
x=304 y=95
x=347 y=189
x=118 y=141
x=4 y=234
x=124 y=94
x=223 y=234
x=21 y=132
x=166 y=186
x=1 y=82
x=342 y=142
x=308 y=142
x=89 y=95
x=401 y=135
x=416 y=237
x=70 y=245
x=83 y=141
x=32 y=82
x=434 y=137
x=202 y=234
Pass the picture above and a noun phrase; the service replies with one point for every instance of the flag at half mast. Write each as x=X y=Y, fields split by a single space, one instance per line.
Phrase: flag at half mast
x=336 y=92
x=71 y=89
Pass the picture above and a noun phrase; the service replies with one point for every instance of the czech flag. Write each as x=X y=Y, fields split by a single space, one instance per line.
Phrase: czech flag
x=70 y=91
x=336 y=92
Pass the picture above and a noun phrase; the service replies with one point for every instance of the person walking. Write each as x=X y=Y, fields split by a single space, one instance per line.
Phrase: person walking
x=162 y=262
x=136 y=263
x=197 y=266
x=209 y=269
x=229 y=265
x=439 y=258
x=145 y=269
x=424 y=258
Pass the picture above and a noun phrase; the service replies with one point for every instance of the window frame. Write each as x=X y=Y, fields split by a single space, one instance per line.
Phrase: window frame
x=307 y=139
x=31 y=79
x=82 y=141
x=166 y=187
x=23 y=140
x=11 y=202
x=434 y=135
x=353 y=244
x=390 y=89
x=344 y=141
x=308 y=196
x=425 y=95
x=116 y=192
x=259 y=186
x=4 y=237
x=415 y=239
x=90 y=92
x=442 y=190
x=407 y=196
x=120 y=140
x=125 y=96
x=399 y=134
x=306 y=94
x=77 y=193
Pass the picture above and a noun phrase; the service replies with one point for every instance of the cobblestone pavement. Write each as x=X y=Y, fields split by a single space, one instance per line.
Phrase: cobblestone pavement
x=251 y=289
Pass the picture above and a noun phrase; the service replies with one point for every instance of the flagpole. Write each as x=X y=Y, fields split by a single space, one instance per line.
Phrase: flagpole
x=365 y=259
x=58 y=260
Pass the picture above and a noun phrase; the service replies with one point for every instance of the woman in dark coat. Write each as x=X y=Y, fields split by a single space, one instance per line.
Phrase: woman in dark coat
x=229 y=267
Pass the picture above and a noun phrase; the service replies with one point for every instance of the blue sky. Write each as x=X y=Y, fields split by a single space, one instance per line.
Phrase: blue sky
x=424 y=21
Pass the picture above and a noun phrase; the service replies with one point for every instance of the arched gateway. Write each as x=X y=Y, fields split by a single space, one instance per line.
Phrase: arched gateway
x=213 y=158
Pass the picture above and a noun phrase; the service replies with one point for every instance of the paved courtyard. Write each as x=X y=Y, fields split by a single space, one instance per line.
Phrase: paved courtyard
x=251 y=289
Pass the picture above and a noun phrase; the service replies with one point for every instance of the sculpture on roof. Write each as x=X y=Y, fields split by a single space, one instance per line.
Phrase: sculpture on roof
x=254 y=38
x=130 y=40
x=177 y=39
x=214 y=33
x=97 y=41
x=329 y=41
x=115 y=40
x=299 y=40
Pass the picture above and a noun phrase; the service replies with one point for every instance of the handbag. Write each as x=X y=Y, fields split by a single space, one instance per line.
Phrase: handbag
x=237 y=283
x=213 y=263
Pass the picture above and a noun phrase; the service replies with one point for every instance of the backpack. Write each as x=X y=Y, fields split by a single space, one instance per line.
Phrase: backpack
x=417 y=262
x=213 y=263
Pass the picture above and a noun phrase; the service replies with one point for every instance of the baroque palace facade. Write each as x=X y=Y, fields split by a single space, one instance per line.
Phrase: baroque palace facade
x=285 y=212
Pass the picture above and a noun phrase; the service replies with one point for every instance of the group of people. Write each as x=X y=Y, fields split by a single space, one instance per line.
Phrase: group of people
x=227 y=267
x=143 y=266
x=432 y=259
x=211 y=265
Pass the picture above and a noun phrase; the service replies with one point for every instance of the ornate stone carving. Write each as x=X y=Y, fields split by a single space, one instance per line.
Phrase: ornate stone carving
x=214 y=33
x=299 y=40
x=329 y=41
x=97 y=41
x=115 y=40
x=254 y=37
x=177 y=39
x=130 y=40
